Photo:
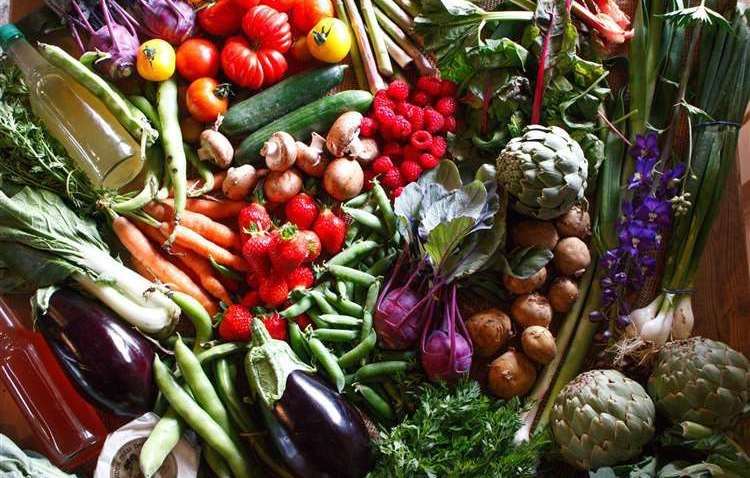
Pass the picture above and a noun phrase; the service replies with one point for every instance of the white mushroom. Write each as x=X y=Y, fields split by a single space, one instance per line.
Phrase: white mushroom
x=368 y=151
x=216 y=148
x=343 y=137
x=311 y=159
x=280 y=151
x=240 y=181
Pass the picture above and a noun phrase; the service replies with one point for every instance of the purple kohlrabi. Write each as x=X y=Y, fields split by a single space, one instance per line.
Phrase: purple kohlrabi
x=446 y=351
x=397 y=320
x=170 y=20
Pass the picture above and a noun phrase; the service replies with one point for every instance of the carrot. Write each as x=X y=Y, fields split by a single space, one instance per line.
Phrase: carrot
x=151 y=259
x=195 y=183
x=203 y=225
x=190 y=239
x=201 y=267
x=142 y=270
x=214 y=208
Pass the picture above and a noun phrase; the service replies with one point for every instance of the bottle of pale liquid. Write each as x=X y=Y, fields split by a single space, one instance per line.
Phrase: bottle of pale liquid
x=93 y=138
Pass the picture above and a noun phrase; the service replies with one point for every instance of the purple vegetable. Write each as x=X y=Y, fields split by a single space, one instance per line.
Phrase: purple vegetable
x=109 y=361
x=397 y=320
x=170 y=20
x=446 y=353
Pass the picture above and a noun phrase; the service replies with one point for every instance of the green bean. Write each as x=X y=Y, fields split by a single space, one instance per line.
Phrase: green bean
x=299 y=308
x=335 y=335
x=198 y=316
x=202 y=423
x=376 y=402
x=160 y=442
x=365 y=218
x=297 y=342
x=353 y=253
x=204 y=172
x=201 y=386
x=341 y=287
x=145 y=106
x=372 y=297
x=376 y=370
x=137 y=125
x=359 y=352
x=382 y=265
x=321 y=302
x=151 y=177
x=216 y=463
x=171 y=139
x=358 y=201
x=353 y=275
x=337 y=320
x=384 y=205
x=328 y=362
x=219 y=351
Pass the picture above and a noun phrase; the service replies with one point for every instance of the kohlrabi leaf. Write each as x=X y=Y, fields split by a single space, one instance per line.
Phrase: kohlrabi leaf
x=446 y=174
x=525 y=262
x=406 y=207
x=469 y=201
x=445 y=238
x=715 y=447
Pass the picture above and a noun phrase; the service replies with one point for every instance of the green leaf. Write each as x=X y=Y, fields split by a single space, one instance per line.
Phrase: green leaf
x=692 y=16
x=525 y=262
x=443 y=239
x=469 y=201
x=23 y=269
x=646 y=468
x=446 y=174
x=498 y=53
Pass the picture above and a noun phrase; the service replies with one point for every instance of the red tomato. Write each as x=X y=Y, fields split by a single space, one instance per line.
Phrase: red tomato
x=222 y=18
x=196 y=58
x=280 y=5
x=306 y=13
x=206 y=99
x=246 y=3
x=299 y=50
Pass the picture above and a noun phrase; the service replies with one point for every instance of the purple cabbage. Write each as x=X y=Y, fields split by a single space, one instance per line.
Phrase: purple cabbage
x=446 y=351
x=170 y=20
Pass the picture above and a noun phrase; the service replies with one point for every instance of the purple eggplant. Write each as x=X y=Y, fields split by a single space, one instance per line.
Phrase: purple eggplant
x=316 y=431
x=109 y=361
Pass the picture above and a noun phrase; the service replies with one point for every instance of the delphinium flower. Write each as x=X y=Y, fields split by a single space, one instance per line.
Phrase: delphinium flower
x=646 y=217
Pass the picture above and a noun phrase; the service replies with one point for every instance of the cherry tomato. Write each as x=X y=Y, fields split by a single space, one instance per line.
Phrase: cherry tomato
x=329 y=40
x=306 y=13
x=196 y=58
x=222 y=18
x=300 y=51
x=155 y=60
x=284 y=6
x=207 y=99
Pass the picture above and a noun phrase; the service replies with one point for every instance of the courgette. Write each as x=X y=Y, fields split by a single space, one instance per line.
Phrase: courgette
x=268 y=105
x=317 y=116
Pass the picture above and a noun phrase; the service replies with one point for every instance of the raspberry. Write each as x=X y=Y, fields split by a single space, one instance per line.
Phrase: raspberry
x=410 y=171
x=420 y=98
x=411 y=153
x=450 y=124
x=416 y=118
x=384 y=115
x=446 y=106
x=393 y=150
x=368 y=127
x=382 y=165
x=405 y=109
x=429 y=84
x=367 y=183
x=391 y=179
x=397 y=192
x=381 y=100
x=433 y=121
x=448 y=88
x=398 y=90
x=421 y=140
x=438 y=147
x=428 y=161
x=401 y=128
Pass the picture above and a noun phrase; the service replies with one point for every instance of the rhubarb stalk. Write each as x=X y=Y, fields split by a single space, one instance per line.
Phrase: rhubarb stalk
x=536 y=109
x=411 y=7
x=374 y=80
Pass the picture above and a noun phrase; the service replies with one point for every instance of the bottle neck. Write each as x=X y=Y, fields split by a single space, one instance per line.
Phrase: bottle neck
x=26 y=57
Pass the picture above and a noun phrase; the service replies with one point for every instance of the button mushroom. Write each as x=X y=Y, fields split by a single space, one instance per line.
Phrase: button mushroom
x=368 y=151
x=240 y=181
x=216 y=148
x=280 y=151
x=343 y=137
x=311 y=159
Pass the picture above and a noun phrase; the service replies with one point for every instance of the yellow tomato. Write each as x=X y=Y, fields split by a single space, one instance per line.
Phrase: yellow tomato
x=156 y=60
x=329 y=40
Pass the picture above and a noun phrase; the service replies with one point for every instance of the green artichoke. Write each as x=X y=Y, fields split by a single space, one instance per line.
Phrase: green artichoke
x=602 y=418
x=545 y=171
x=702 y=381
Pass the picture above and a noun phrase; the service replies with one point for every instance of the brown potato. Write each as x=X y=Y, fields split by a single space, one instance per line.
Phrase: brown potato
x=511 y=375
x=524 y=286
x=562 y=294
x=574 y=223
x=489 y=331
x=539 y=344
x=531 y=309
x=572 y=257
x=531 y=233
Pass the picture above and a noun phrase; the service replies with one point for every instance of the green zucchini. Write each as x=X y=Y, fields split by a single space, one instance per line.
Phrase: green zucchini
x=317 y=116
x=296 y=91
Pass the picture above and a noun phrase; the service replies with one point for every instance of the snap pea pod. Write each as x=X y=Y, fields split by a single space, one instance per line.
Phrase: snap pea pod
x=372 y=297
x=382 y=265
x=396 y=355
x=352 y=275
x=351 y=291
x=358 y=201
x=160 y=442
x=137 y=125
x=298 y=343
x=298 y=308
x=353 y=253
x=335 y=335
x=202 y=423
x=384 y=206
x=341 y=287
x=365 y=218
x=216 y=463
x=338 y=320
x=359 y=352
x=198 y=316
x=321 y=302
x=219 y=351
x=351 y=233
x=145 y=106
x=328 y=362
x=376 y=402
x=200 y=167
x=377 y=370
x=151 y=176
x=315 y=318
x=348 y=307
x=171 y=139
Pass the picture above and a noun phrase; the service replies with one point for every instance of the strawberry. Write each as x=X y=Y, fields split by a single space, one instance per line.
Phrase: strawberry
x=410 y=171
x=251 y=279
x=313 y=245
x=382 y=165
x=331 y=230
x=303 y=321
x=301 y=210
x=289 y=249
x=398 y=90
x=235 y=326
x=256 y=251
x=276 y=326
x=300 y=278
x=253 y=217
x=250 y=299
x=272 y=290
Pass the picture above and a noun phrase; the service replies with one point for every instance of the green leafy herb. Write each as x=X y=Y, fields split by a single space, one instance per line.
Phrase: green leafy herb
x=458 y=432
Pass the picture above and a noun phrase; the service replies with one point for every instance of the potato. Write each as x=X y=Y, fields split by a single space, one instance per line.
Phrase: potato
x=511 y=375
x=524 y=286
x=539 y=344
x=531 y=309
x=574 y=223
x=489 y=331
x=531 y=233
x=562 y=294
x=572 y=257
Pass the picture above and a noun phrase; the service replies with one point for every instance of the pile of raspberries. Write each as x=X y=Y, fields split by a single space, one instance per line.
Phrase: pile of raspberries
x=410 y=127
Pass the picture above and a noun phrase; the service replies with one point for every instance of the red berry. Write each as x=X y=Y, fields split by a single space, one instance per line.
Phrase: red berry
x=290 y=250
x=273 y=290
x=429 y=84
x=331 y=230
x=438 y=147
x=401 y=127
x=450 y=124
x=421 y=140
x=256 y=249
x=235 y=326
x=397 y=192
x=420 y=98
x=398 y=90
x=433 y=121
x=301 y=210
x=250 y=299
x=368 y=127
x=382 y=100
x=303 y=321
x=391 y=179
x=276 y=326
x=446 y=106
x=251 y=279
x=428 y=161
x=253 y=217
x=448 y=88
x=382 y=165
x=384 y=115
x=392 y=150
x=411 y=153
x=367 y=183
x=300 y=278
x=410 y=171
x=405 y=109
x=313 y=245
